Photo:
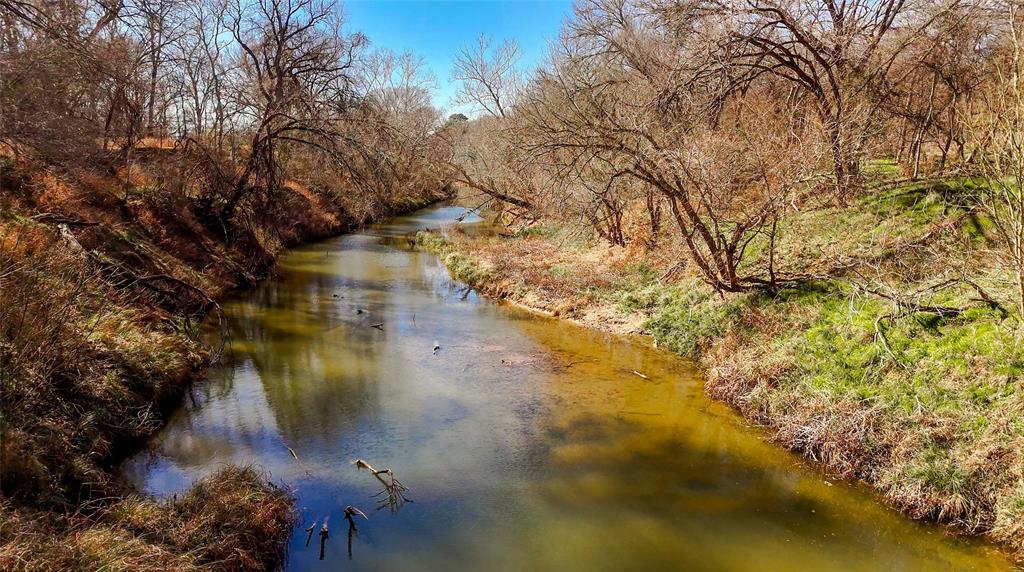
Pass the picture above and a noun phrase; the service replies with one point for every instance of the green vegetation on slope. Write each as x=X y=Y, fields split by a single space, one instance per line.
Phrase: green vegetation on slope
x=889 y=367
x=462 y=267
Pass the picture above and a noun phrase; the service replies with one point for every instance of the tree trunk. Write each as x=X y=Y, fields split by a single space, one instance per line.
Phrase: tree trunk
x=839 y=164
x=1020 y=293
x=919 y=141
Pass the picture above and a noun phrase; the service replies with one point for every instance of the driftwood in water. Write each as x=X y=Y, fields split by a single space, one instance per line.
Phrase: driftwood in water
x=295 y=456
x=394 y=491
x=350 y=513
x=351 y=533
x=309 y=531
x=324 y=534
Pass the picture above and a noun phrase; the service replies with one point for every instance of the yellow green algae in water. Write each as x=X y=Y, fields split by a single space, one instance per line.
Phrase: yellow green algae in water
x=527 y=443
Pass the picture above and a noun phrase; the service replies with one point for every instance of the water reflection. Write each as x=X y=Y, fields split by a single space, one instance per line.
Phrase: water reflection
x=526 y=443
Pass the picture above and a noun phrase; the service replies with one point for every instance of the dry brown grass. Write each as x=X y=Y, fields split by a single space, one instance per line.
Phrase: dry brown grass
x=82 y=367
x=542 y=274
x=105 y=272
x=232 y=520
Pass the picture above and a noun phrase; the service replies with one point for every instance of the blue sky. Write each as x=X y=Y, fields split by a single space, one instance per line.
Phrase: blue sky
x=437 y=30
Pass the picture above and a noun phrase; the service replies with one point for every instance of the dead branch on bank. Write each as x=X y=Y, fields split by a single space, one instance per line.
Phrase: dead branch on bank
x=59 y=219
x=906 y=304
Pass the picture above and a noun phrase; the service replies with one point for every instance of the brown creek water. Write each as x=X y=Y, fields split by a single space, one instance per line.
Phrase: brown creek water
x=527 y=443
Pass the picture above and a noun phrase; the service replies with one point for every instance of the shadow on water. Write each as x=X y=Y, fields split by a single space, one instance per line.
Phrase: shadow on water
x=525 y=442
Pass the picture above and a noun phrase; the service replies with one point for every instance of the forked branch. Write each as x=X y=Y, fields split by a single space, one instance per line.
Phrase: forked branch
x=393 y=492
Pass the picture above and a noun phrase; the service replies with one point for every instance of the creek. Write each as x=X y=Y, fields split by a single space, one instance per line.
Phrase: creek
x=527 y=443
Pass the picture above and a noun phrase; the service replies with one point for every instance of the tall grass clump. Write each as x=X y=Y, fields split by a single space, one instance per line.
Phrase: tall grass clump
x=231 y=520
x=82 y=369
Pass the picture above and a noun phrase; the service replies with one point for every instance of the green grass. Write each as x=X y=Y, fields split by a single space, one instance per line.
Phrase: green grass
x=934 y=468
x=928 y=408
x=877 y=226
x=881 y=167
x=684 y=318
x=830 y=337
x=931 y=363
x=462 y=267
x=558 y=271
x=541 y=230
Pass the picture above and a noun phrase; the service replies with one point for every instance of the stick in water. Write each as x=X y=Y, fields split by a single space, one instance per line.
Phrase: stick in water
x=309 y=530
x=324 y=534
x=350 y=513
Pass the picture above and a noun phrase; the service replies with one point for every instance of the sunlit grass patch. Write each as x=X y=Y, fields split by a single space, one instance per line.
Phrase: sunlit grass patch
x=881 y=167
x=558 y=279
x=231 y=520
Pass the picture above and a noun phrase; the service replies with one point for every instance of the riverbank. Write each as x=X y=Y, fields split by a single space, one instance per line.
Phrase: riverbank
x=926 y=407
x=234 y=519
x=107 y=272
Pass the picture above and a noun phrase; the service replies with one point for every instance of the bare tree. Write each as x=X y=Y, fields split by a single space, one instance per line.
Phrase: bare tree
x=488 y=78
x=487 y=154
x=400 y=122
x=996 y=125
x=298 y=70
x=834 y=52
x=627 y=101
x=941 y=69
